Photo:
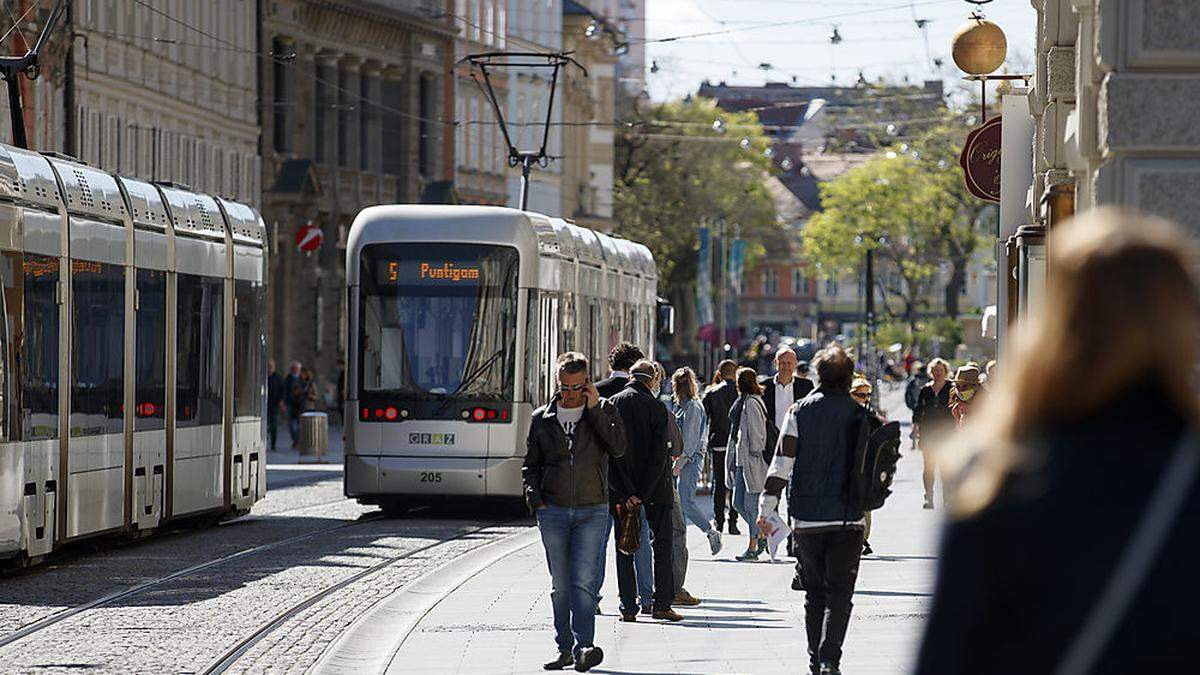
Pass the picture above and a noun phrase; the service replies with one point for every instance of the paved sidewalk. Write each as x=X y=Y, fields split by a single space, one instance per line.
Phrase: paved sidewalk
x=751 y=622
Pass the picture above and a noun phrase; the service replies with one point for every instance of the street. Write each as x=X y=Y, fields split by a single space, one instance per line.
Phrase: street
x=310 y=578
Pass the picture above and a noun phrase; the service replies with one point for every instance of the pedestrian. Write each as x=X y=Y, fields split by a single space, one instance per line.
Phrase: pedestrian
x=308 y=402
x=965 y=392
x=643 y=480
x=679 y=550
x=912 y=388
x=341 y=390
x=620 y=359
x=717 y=401
x=293 y=389
x=693 y=423
x=274 y=402
x=567 y=454
x=812 y=458
x=861 y=390
x=932 y=420
x=785 y=388
x=1072 y=532
x=746 y=465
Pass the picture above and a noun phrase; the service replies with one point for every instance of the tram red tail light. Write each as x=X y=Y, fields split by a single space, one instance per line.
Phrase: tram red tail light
x=391 y=413
x=478 y=414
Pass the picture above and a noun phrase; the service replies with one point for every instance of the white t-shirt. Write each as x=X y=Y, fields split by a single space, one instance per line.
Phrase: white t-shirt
x=569 y=418
x=785 y=467
x=785 y=396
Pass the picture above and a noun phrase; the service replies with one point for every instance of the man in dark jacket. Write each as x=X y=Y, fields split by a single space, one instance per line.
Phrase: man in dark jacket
x=293 y=398
x=274 y=401
x=567 y=454
x=620 y=359
x=786 y=388
x=828 y=531
x=717 y=402
x=643 y=478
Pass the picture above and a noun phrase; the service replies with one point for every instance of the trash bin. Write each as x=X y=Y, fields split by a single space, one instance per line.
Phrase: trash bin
x=314 y=434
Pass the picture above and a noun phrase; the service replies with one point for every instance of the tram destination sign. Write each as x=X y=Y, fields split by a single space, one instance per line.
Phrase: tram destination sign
x=428 y=273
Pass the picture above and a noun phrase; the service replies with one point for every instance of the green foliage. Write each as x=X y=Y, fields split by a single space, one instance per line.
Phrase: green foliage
x=674 y=171
x=923 y=334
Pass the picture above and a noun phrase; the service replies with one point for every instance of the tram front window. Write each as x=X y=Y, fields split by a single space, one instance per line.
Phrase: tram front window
x=437 y=321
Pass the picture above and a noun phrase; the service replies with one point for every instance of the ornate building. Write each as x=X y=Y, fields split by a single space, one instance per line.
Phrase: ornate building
x=588 y=116
x=357 y=110
x=481 y=157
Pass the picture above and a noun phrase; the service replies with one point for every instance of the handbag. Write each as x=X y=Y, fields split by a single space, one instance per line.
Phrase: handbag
x=631 y=528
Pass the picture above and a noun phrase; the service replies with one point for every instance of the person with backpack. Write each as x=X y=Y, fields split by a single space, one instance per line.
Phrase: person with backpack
x=861 y=390
x=912 y=389
x=813 y=459
x=745 y=462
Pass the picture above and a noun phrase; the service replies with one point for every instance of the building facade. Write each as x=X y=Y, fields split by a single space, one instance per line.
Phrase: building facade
x=588 y=115
x=535 y=26
x=480 y=153
x=358 y=110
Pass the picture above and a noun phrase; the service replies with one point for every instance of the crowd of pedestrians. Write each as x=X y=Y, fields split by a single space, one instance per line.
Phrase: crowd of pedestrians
x=291 y=396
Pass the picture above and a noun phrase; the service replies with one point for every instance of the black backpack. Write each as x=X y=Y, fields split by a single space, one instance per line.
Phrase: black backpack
x=872 y=462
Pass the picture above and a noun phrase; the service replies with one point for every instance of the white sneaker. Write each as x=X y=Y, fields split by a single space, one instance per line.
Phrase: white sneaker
x=714 y=541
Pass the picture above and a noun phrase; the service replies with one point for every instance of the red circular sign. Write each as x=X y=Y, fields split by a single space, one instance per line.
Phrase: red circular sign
x=309 y=237
x=980 y=161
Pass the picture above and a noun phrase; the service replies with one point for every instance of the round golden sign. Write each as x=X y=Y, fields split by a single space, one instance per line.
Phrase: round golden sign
x=979 y=47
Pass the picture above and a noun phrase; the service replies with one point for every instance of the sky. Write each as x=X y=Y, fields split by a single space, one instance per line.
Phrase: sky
x=879 y=37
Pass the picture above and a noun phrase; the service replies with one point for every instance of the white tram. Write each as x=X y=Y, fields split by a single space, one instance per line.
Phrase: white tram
x=131 y=354
x=457 y=314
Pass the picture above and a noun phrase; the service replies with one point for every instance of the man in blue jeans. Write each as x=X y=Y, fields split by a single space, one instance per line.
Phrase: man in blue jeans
x=565 y=473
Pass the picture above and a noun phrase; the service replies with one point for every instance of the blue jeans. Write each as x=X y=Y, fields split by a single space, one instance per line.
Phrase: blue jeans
x=642 y=566
x=745 y=502
x=688 y=476
x=571 y=537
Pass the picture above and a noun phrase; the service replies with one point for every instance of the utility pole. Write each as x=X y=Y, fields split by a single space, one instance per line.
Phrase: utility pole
x=869 y=307
x=723 y=272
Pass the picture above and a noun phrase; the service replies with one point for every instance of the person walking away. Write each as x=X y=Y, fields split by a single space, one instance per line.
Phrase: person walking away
x=643 y=479
x=747 y=468
x=293 y=388
x=567 y=454
x=861 y=390
x=781 y=391
x=274 y=402
x=693 y=424
x=812 y=462
x=932 y=420
x=912 y=388
x=620 y=359
x=1112 y=465
x=717 y=401
x=965 y=394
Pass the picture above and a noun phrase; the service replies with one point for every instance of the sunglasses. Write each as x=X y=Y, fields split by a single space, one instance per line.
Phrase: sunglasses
x=860 y=396
x=573 y=387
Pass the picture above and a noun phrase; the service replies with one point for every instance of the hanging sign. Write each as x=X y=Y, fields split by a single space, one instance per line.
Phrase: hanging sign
x=980 y=161
x=309 y=237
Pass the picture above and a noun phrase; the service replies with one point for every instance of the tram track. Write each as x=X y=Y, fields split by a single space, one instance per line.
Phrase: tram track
x=230 y=658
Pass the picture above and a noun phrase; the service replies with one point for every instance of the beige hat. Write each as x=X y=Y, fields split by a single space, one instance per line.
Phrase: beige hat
x=967 y=376
x=859 y=383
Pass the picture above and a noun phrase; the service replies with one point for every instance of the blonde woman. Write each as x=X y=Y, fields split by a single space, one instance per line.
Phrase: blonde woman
x=1072 y=543
x=932 y=419
x=693 y=424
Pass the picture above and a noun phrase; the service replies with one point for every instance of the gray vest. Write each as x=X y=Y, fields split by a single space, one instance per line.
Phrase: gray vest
x=817 y=489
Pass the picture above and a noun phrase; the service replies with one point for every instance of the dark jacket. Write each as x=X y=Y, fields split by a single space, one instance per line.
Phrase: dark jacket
x=912 y=390
x=644 y=471
x=609 y=386
x=826 y=421
x=801 y=387
x=933 y=410
x=1016 y=581
x=717 y=402
x=293 y=394
x=554 y=473
x=274 y=393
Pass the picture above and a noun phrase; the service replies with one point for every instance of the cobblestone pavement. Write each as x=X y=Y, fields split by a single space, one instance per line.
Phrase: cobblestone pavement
x=185 y=624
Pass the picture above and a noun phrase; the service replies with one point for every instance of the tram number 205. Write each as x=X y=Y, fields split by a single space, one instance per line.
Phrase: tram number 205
x=431 y=476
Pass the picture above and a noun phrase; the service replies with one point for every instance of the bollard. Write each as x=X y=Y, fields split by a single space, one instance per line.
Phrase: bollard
x=314 y=434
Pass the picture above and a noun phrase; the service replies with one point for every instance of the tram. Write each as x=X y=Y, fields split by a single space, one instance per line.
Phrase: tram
x=456 y=317
x=132 y=383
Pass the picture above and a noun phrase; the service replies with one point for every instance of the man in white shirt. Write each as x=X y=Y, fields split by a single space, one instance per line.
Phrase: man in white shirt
x=781 y=391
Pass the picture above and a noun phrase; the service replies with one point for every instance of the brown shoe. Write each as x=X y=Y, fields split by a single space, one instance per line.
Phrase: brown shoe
x=667 y=615
x=629 y=618
x=685 y=599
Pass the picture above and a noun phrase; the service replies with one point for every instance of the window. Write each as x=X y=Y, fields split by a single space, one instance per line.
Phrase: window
x=366 y=117
x=799 y=282
x=344 y=112
x=39 y=349
x=282 y=135
x=321 y=103
x=831 y=287
x=393 y=127
x=200 y=351
x=425 y=145
x=249 y=344
x=150 y=357
x=97 y=348
x=771 y=281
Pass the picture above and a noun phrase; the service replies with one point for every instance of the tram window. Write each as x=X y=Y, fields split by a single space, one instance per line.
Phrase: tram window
x=39 y=349
x=97 y=348
x=200 y=351
x=249 y=371
x=150 y=371
x=13 y=283
x=533 y=350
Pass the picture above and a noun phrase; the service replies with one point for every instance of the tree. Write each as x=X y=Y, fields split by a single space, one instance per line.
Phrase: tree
x=684 y=163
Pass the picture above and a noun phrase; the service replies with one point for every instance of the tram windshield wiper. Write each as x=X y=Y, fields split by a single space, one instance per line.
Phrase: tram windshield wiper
x=470 y=379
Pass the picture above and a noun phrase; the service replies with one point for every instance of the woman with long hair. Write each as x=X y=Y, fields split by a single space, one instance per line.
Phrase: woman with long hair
x=932 y=419
x=1072 y=543
x=746 y=465
x=693 y=425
